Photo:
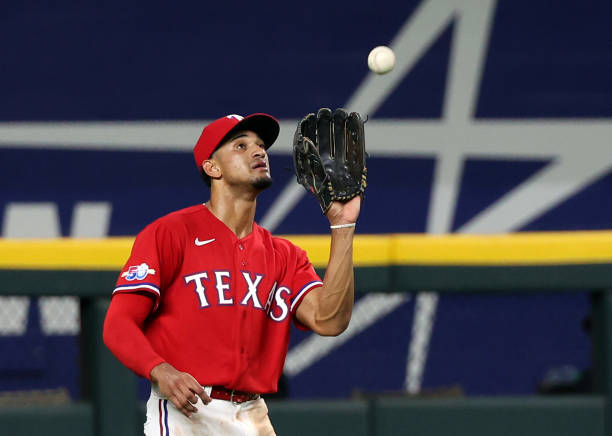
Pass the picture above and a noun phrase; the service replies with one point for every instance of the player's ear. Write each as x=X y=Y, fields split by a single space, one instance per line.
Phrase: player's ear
x=211 y=168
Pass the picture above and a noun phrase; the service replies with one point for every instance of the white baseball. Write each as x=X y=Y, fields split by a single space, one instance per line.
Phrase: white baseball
x=381 y=59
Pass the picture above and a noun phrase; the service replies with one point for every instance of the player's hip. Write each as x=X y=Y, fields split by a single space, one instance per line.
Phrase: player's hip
x=219 y=417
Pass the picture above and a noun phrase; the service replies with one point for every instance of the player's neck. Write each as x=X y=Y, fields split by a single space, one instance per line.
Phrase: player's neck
x=236 y=213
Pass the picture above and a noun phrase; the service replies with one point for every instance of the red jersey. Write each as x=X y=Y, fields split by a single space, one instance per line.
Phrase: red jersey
x=223 y=304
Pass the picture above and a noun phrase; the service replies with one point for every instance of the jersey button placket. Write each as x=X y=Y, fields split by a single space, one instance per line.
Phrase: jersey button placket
x=241 y=247
x=241 y=258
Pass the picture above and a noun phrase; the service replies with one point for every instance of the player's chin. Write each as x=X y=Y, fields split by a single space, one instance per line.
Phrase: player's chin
x=261 y=183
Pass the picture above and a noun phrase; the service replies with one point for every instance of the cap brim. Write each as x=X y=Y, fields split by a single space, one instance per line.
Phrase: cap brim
x=266 y=127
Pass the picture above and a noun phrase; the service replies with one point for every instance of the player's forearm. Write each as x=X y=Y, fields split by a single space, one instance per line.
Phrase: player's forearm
x=131 y=347
x=124 y=337
x=337 y=294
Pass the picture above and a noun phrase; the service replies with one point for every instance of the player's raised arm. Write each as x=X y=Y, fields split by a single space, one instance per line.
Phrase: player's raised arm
x=329 y=158
x=327 y=309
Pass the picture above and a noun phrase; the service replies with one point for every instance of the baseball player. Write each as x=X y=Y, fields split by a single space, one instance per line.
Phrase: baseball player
x=203 y=305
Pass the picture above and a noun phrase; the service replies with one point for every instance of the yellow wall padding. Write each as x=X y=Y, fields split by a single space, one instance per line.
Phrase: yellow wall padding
x=537 y=248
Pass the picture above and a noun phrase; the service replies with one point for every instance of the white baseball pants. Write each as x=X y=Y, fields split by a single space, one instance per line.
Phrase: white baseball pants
x=218 y=418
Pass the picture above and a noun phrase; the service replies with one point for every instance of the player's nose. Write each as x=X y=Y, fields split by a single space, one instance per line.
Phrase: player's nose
x=258 y=151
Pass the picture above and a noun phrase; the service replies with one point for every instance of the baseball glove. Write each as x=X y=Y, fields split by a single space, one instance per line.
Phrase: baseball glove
x=329 y=155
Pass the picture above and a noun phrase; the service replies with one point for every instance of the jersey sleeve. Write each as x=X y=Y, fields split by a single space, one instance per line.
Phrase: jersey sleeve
x=152 y=262
x=299 y=275
x=304 y=279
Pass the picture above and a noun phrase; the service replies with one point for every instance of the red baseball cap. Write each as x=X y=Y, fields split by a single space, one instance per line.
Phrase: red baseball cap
x=266 y=126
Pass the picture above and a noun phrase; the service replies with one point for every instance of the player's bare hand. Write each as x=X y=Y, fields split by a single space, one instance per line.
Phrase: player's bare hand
x=181 y=388
x=344 y=213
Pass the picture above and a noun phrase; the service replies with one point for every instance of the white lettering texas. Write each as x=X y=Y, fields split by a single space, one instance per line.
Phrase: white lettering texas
x=276 y=304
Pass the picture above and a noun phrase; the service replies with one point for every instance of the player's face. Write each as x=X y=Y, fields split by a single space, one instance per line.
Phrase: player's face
x=243 y=159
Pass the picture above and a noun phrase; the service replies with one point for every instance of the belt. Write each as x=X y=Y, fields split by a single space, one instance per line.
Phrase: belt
x=221 y=393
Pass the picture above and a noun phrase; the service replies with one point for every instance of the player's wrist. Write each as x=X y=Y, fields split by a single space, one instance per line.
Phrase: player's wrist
x=157 y=370
x=340 y=219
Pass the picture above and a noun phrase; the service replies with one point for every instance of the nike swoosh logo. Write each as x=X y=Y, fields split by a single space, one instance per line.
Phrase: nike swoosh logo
x=200 y=243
